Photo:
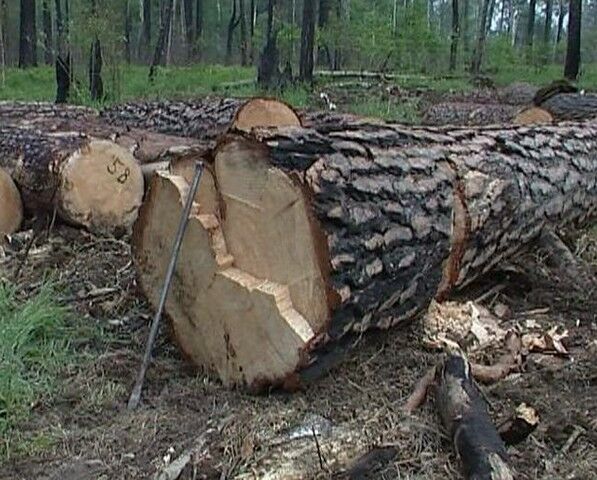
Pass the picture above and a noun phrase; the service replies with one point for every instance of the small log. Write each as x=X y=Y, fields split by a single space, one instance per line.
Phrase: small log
x=93 y=183
x=455 y=113
x=206 y=119
x=465 y=418
x=571 y=106
x=11 y=207
x=351 y=227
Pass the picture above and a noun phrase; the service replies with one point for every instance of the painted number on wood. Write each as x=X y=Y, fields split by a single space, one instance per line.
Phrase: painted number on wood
x=117 y=168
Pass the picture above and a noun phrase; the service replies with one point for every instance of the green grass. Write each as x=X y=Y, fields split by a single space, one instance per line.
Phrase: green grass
x=34 y=349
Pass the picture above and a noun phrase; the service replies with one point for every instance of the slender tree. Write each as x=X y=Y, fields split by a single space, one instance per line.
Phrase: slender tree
x=455 y=35
x=144 y=28
x=128 y=26
x=268 y=73
x=481 y=35
x=561 y=14
x=28 y=35
x=573 y=49
x=198 y=28
x=232 y=24
x=46 y=15
x=244 y=44
x=59 y=28
x=548 y=19
x=466 y=13
x=531 y=22
x=163 y=34
x=96 y=85
x=490 y=15
x=307 y=41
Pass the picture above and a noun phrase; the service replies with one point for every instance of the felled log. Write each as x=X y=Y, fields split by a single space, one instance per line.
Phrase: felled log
x=560 y=107
x=11 y=207
x=27 y=110
x=306 y=235
x=205 y=119
x=93 y=183
x=464 y=416
x=455 y=113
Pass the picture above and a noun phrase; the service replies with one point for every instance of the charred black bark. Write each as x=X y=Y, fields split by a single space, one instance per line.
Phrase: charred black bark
x=307 y=41
x=573 y=50
x=63 y=76
x=531 y=23
x=160 y=48
x=28 y=35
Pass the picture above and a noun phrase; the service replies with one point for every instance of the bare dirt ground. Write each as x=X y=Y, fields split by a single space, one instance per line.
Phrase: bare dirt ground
x=356 y=407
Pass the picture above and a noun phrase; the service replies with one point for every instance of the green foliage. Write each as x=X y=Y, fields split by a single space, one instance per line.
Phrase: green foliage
x=34 y=347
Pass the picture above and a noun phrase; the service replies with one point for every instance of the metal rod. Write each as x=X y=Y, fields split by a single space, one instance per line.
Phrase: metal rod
x=184 y=220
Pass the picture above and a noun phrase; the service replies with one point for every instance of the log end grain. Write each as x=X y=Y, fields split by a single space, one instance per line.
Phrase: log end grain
x=533 y=116
x=101 y=187
x=11 y=206
x=244 y=328
x=265 y=112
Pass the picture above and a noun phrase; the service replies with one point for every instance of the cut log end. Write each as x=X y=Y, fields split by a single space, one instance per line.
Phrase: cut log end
x=101 y=187
x=11 y=206
x=243 y=327
x=533 y=116
x=265 y=112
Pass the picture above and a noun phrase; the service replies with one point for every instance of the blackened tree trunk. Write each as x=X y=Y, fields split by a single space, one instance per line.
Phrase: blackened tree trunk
x=548 y=18
x=490 y=15
x=561 y=14
x=244 y=45
x=466 y=42
x=573 y=49
x=531 y=22
x=160 y=47
x=144 y=29
x=96 y=85
x=28 y=35
x=189 y=25
x=325 y=7
x=47 y=24
x=128 y=21
x=455 y=35
x=232 y=24
x=307 y=41
x=59 y=29
x=268 y=73
x=62 y=78
x=480 y=47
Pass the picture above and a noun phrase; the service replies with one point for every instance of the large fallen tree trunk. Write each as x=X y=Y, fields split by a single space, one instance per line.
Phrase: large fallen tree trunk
x=11 y=207
x=560 y=107
x=455 y=113
x=89 y=182
x=464 y=416
x=206 y=119
x=305 y=235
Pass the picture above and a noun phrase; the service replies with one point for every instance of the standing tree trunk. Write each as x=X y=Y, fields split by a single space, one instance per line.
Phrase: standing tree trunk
x=307 y=41
x=28 y=35
x=127 y=31
x=480 y=47
x=232 y=24
x=573 y=49
x=268 y=73
x=160 y=47
x=455 y=35
x=325 y=7
x=144 y=29
x=244 y=45
x=96 y=85
x=3 y=13
x=198 y=28
x=47 y=23
x=59 y=29
x=466 y=41
x=561 y=14
x=531 y=23
x=189 y=28
x=548 y=18
x=490 y=15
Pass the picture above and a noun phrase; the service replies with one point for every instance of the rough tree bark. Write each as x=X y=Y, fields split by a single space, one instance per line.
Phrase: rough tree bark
x=198 y=28
x=88 y=182
x=160 y=47
x=63 y=76
x=480 y=46
x=47 y=24
x=28 y=35
x=307 y=41
x=144 y=29
x=307 y=235
x=268 y=70
x=455 y=35
x=464 y=415
x=96 y=85
x=189 y=23
x=531 y=23
x=11 y=206
x=466 y=42
x=206 y=120
x=244 y=45
x=573 y=49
